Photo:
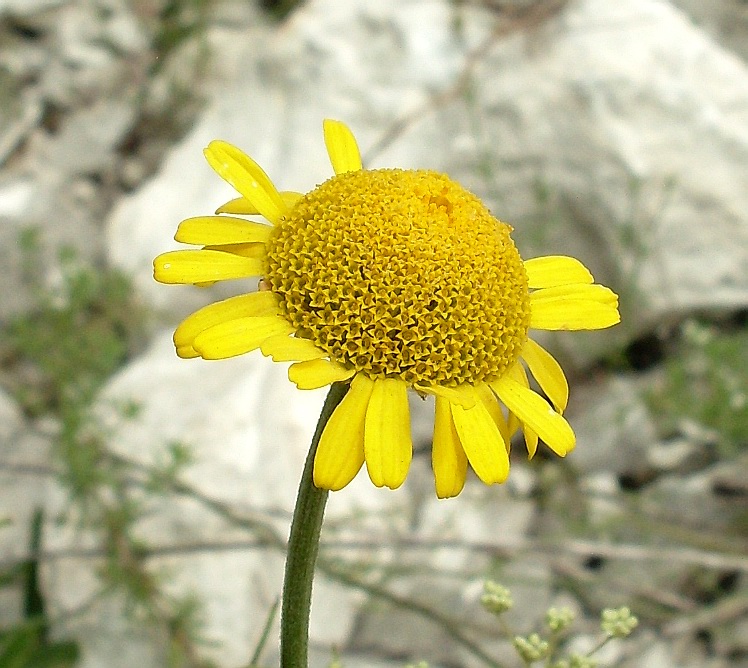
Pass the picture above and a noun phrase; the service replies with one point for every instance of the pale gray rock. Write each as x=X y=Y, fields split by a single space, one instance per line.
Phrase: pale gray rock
x=645 y=650
x=11 y=418
x=470 y=519
x=726 y=20
x=730 y=478
x=731 y=636
x=462 y=536
x=22 y=59
x=610 y=131
x=107 y=632
x=322 y=658
x=248 y=430
x=690 y=500
x=69 y=82
x=681 y=455
x=613 y=426
x=94 y=49
x=88 y=138
x=121 y=29
x=27 y=7
x=20 y=112
x=603 y=502
x=15 y=197
x=57 y=214
x=242 y=419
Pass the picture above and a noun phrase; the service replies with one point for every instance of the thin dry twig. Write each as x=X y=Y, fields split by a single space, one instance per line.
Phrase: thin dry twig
x=727 y=610
x=511 y=19
x=268 y=537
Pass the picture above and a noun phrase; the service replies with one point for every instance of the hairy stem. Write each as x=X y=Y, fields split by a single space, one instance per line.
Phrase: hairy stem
x=303 y=545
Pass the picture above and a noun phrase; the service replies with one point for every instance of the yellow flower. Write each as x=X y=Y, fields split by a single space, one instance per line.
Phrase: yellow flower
x=389 y=279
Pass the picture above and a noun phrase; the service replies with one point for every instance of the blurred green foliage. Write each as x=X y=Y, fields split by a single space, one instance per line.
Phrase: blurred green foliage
x=177 y=21
x=53 y=359
x=706 y=381
x=60 y=352
x=27 y=643
x=57 y=355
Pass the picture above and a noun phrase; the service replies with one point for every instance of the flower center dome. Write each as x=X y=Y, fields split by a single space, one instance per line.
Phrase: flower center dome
x=402 y=274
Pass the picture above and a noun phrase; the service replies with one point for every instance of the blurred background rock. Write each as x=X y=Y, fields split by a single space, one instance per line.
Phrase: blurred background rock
x=145 y=500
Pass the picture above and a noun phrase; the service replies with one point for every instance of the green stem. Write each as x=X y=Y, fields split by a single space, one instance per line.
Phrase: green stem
x=303 y=545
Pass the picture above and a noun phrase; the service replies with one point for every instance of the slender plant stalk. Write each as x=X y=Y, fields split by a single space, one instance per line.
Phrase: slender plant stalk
x=303 y=545
x=255 y=660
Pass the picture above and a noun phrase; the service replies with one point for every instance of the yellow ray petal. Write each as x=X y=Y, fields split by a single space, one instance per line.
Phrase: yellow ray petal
x=340 y=453
x=482 y=442
x=536 y=413
x=211 y=230
x=531 y=442
x=187 y=352
x=341 y=147
x=239 y=336
x=243 y=207
x=512 y=423
x=290 y=197
x=462 y=394
x=569 y=314
x=239 y=205
x=202 y=266
x=242 y=306
x=491 y=403
x=447 y=456
x=554 y=270
x=574 y=307
x=247 y=177
x=256 y=250
x=579 y=292
x=517 y=372
x=313 y=374
x=387 y=443
x=291 y=349
x=548 y=372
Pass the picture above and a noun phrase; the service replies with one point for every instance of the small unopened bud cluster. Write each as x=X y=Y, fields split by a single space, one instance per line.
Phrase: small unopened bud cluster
x=532 y=648
x=618 y=623
x=496 y=598
x=575 y=661
x=559 y=619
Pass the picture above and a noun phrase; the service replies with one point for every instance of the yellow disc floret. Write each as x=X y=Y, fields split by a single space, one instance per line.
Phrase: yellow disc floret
x=402 y=274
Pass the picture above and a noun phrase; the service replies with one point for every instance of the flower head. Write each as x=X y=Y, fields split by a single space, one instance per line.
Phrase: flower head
x=390 y=280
